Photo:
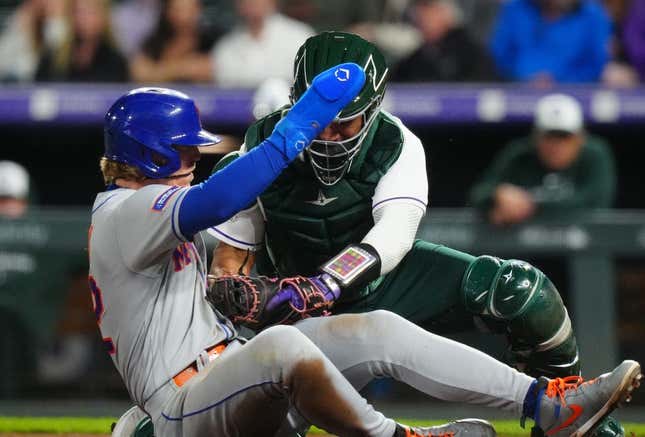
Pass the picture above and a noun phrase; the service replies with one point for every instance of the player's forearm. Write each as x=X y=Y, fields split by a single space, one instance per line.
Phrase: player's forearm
x=228 y=260
x=231 y=189
x=393 y=233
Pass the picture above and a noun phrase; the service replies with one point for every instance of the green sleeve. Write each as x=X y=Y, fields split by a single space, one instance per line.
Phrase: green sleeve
x=481 y=194
x=226 y=160
x=595 y=186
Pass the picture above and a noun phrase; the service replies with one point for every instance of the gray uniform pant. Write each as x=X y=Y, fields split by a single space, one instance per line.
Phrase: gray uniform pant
x=316 y=367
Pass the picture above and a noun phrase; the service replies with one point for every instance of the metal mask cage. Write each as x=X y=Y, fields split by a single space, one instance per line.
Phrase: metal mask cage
x=331 y=160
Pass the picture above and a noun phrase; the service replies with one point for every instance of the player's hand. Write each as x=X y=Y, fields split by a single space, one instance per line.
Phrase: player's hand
x=512 y=205
x=291 y=291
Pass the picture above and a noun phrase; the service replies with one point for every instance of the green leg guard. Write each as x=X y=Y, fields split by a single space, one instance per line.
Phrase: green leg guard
x=526 y=301
x=559 y=361
x=541 y=338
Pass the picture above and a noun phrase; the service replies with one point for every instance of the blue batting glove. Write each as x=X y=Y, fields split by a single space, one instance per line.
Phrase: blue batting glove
x=328 y=94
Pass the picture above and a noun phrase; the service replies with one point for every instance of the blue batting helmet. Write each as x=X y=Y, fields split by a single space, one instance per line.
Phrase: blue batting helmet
x=143 y=126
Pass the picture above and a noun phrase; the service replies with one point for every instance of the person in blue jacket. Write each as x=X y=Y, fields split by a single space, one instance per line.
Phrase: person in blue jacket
x=551 y=41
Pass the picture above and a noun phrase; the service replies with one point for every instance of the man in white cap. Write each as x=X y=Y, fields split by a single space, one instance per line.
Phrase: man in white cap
x=557 y=169
x=14 y=189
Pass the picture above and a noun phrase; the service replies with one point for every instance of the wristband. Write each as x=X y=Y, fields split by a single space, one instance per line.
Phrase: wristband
x=356 y=265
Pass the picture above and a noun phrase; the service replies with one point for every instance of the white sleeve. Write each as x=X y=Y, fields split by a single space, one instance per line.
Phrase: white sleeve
x=245 y=230
x=395 y=227
x=406 y=181
x=149 y=224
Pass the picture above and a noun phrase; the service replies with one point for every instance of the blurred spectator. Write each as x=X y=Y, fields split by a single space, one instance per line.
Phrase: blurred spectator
x=634 y=36
x=480 y=17
x=88 y=53
x=560 y=168
x=342 y=14
x=386 y=23
x=36 y=25
x=307 y=11
x=548 y=41
x=617 y=9
x=262 y=47
x=618 y=72
x=133 y=21
x=178 y=50
x=14 y=189
x=447 y=53
x=271 y=95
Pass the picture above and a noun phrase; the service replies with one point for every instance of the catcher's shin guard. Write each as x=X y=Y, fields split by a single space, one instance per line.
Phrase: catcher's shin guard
x=527 y=304
x=525 y=301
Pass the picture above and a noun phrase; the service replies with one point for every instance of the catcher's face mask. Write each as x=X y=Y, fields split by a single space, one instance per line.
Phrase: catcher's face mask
x=331 y=155
x=332 y=158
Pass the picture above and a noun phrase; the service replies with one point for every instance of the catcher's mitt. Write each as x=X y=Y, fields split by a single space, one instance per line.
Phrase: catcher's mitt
x=244 y=299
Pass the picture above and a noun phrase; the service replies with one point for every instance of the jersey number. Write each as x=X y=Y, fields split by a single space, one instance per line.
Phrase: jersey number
x=99 y=309
x=181 y=256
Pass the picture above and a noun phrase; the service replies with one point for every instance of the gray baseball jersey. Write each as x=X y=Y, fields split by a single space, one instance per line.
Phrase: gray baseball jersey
x=148 y=284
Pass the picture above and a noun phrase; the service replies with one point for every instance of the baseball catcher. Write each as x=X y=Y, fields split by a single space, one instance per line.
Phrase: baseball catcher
x=363 y=182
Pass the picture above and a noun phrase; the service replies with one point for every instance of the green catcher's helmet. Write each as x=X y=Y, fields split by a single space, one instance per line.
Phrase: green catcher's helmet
x=330 y=160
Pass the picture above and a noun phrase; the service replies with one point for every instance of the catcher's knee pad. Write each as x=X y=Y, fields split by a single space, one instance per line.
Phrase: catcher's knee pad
x=528 y=304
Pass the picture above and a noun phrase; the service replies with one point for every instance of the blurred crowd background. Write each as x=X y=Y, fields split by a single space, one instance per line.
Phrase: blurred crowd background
x=239 y=43
x=507 y=174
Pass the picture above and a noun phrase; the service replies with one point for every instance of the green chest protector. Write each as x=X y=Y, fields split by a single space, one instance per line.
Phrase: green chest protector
x=308 y=223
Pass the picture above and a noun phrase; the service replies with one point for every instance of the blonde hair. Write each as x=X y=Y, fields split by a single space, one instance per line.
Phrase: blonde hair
x=63 y=54
x=113 y=170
